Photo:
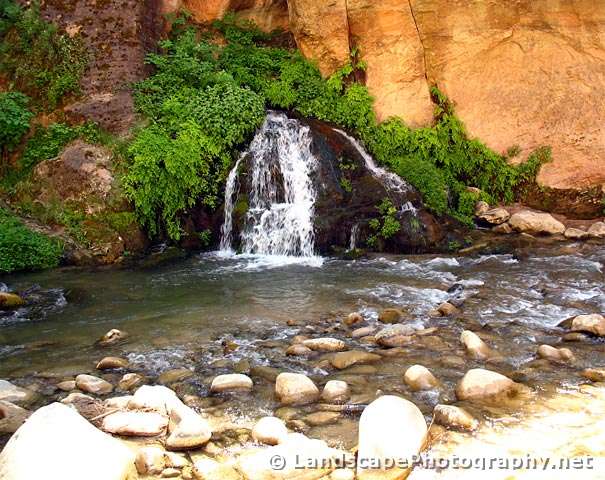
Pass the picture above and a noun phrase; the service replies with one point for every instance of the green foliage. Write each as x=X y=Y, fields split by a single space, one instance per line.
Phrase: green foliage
x=38 y=60
x=14 y=119
x=24 y=249
x=387 y=225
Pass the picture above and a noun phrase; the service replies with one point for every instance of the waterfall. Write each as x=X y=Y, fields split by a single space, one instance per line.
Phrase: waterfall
x=279 y=221
x=353 y=238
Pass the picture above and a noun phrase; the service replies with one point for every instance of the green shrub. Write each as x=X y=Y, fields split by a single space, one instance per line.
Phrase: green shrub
x=24 y=249
x=14 y=119
x=36 y=58
x=386 y=226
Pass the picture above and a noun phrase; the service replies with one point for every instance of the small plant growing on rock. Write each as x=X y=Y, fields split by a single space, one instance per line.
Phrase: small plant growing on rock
x=387 y=225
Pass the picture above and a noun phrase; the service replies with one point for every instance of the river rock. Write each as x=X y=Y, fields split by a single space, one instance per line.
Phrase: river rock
x=295 y=389
x=495 y=216
x=11 y=417
x=175 y=375
x=474 y=346
x=150 y=460
x=446 y=309
x=135 y=424
x=597 y=230
x=576 y=234
x=555 y=354
x=454 y=417
x=319 y=419
x=479 y=384
x=265 y=372
x=234 y=382
x=94 y=385
x=270 y=431
x=335 y=391
x=418 y=377
x=325 y=344
x=10 y=301
x=157 y=398
x=112 y=337
x=481 y=207
x=65 y=446
x=353 y=319
x=395 y=336
x=205 y=468
x=594 y=324
x=130 y=381
x=343 y=360
x=298 y=458
x=390 y=428
x=536 y=223
x=594 y=374
x=298 y=350
x=109 y=363
x=390 y=315
x=12 y=393
x=188 y=430
x=503 y=229
x=363 y=332
x=67 y=385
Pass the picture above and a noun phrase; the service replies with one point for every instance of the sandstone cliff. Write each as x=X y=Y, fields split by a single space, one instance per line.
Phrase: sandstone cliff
x=521 y=73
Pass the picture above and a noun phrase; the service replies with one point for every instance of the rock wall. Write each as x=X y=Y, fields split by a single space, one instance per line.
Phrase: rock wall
x=522 y=73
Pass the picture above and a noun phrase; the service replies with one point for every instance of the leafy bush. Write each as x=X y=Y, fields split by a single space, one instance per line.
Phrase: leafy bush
x=39 y=61
x=24 y=249
x=387 y=225
x=14 y=119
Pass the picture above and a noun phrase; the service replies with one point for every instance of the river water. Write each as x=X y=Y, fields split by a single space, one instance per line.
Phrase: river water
x=207 y=313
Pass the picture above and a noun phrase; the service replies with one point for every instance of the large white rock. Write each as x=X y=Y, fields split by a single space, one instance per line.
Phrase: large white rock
x=57 y=443
x=594 y=324
x=390 y=429
x=270 y=431
x=12 y=393
x=234 y=382
x=538 y=223
x=295 y=389
x=478 y=384
x=188 y=430
x=135 y=424
x=474 y=346
x=158 y=398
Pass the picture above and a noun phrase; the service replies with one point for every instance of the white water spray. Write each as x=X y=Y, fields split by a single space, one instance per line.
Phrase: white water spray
x=281 y=201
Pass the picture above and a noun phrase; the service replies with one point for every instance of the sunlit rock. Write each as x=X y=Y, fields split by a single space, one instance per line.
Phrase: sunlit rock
x=597 y=230
x=112 y=337
x=150 y=460
x=234 y=382
x=94 y=385
x=480 y=384
x=344 y=360
x=474 y=346
x=14 y=394
x=390 y=428
x=325 y=344
x=454 y=417
x=495 y=216
x=390 y=315
x=295 y=389
x=9 y=301
x=536 y=223
x=418 y=377
x=594 y=324
x=57 y=443
x=109 y=363
x=335 y=391
x=135 y=424
x=555 y=354
x=353 y=319
x=11 y=416
x=269 y=430
x=395 y=335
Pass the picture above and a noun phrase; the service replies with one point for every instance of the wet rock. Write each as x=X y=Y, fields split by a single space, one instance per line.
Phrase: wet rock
x=135 y=424
x=11 y=417
x=242 y=366
x=454 y=417
x=130 y=381
x=94 y=385
x=109 y=363
x=363 y=332
x=205 y=468
x=295 y=389
x=150 y=460
x=319 y=419
x=390 y=428
x=390 y=315
x=157 y=398
x=325 y=344
x=188 y=430
x=295 y=451
x=270 y=431
x=235 y=382
x=269 y=374
x=575 y=337
x=10 y=301
x=555 y=354
x=594 y=374
x=67 y=385
x=175 y=375
x=298 y=426
x=12 y=393
x=446 y=309
x=395 y=336
x=481 y=207
x=597 y=230
x=503 y=229
x=576 y=234
x=335 y=391
x=298 y=350
x=112 y=337
x=536 y=223
x=54 y=433
x=594 y=324
x=418 y=377
x=495 y=216
x=353 y=319
x=480 y=384
x=474 y=346
x=343 y=360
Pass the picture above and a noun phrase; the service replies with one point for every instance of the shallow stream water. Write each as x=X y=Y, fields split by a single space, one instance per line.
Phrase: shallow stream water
x=209 y=314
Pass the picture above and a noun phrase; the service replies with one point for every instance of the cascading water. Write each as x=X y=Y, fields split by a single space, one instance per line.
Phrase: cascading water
x=279 y=221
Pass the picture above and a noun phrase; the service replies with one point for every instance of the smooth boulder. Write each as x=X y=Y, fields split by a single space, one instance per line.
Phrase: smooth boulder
x=553 y=354
x=390 y=315
x=536 y=223
x=269 y=431
x=593 y=323
x=14 y=394
x=135 y=424
x=94 y=385
x=474 y=346
x=597 y=230
x=57 y=443
x=418 y=378
x=395 y=336
x=295 y=389
x=325 y=345
x=335 y=391
x=454 y=417
x=480 y=384
x=109 y=363
x=234 y=382
x=390 y=429
x=9 y=301
x=12 y=417
x=495 y=216
x=344 y=360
